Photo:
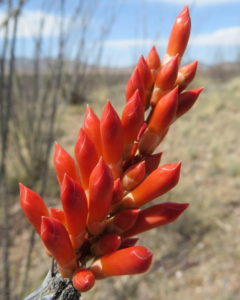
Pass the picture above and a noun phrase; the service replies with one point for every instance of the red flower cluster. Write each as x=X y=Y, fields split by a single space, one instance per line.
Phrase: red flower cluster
x=117 y=173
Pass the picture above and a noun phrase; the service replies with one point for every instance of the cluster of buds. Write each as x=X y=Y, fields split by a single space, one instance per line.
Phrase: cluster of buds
x=117 y=172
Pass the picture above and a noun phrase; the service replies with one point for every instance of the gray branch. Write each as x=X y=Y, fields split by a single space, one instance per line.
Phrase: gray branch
x=55 y=288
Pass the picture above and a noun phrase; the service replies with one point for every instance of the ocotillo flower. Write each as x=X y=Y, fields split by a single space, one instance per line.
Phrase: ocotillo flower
x=179 y=35
x=186 y=75
x=106 y=244
x=74 y=204
x=33 y=206
x=123 y=220
x=147 y=79
x=155 y=216
x=83 y=280
x=92 y=128
x=112 y=138
x=132 y=260
x=56 y=240
x=135 y=83
x=117 y=173
x=156 y=184
x=165 y=80
x=134 y=175
x=132 y=120
x=100 y=196
x=58 y=214
x=152 y=162
x=118 y=191
x=162 y=117
x=186 y=101
x=153 y=62
x=64 y=163
x=86 y=156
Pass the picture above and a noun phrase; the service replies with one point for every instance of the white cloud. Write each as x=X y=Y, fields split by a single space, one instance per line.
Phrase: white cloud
x=29 y=24
x=195 y=2
x=222 y=37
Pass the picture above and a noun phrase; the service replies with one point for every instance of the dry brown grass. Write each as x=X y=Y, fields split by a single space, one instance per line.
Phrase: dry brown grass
x=198 y=256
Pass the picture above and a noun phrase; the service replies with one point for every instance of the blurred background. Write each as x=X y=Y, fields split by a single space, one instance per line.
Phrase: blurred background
x=56 y=56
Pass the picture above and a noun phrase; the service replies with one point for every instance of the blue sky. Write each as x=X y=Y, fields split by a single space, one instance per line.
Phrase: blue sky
x=135 y=26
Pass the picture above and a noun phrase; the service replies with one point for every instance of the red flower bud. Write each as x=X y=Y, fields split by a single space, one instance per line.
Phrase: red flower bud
x=186 y=75
x=153 y=62
x=152 y=162
x=83 y=280
x=86 y=156
x=155 y=216
x=117 y=191
x=145 y=73
x=112 y=135
x=156 y=184
x=132 y=120
x=165 y=80
x=123 y=220
x=106 y=244
x=100 y=195
x=64 y=163
x=179 y=35
x=58 y=214
x=186 y=101
x=33 y=206
x=91 y=125
x=162 y=117
x=134 y=175
x=74 y=203
x=135 y=83
x=132 y=260
x=57 y=241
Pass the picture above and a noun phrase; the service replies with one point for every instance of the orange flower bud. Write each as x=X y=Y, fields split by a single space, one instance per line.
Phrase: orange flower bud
x=132 y=260
x=164 y=112
x=106 y=244
x=134 y=175
x=86 y=156
x=129 y=243
x=117 y=191
x=135 y=83
x=152 y=162
x=64 y=163
x=162 y=117
x=153 y=62
x=57 y=241
x=156 y=184
x=112 y=135
x=186 y=101
x=91 y=125
x=83 y=280
x=186 y=75
x=58 y=214
x=74 y=204
x=179 y=35
x=145 y=73
x=155 y=216
x=123 y=220
x=165 y=80
x=132 y=120
x=100 y=195
x=33 y=206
